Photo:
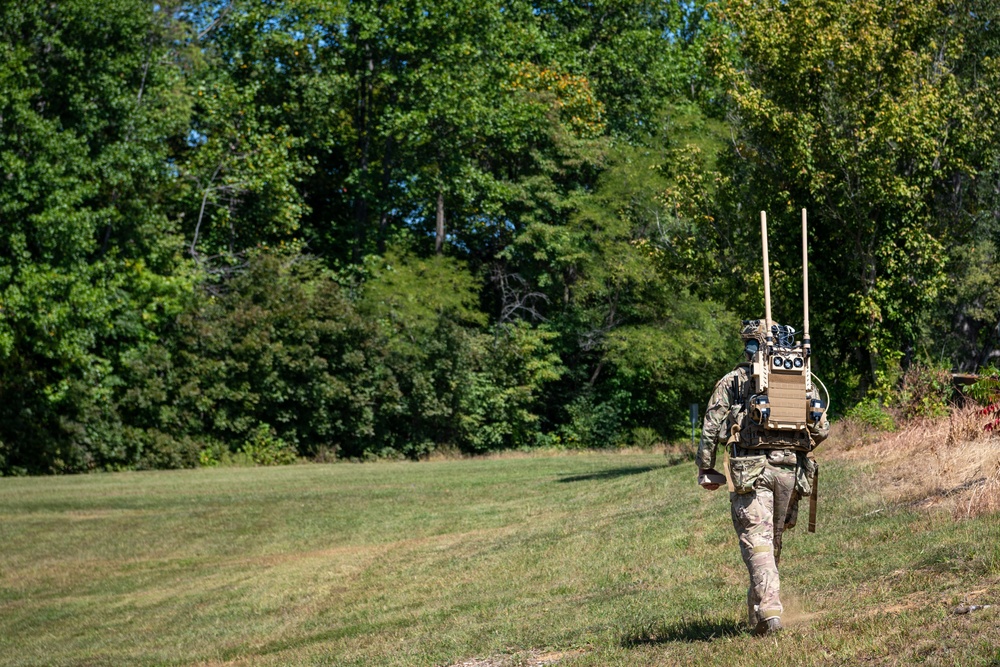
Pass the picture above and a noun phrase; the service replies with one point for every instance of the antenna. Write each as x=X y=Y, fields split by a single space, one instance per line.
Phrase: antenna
x=767 y=280
x=805 y=288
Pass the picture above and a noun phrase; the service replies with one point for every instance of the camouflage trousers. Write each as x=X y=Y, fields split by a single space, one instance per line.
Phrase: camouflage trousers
x=760 y=517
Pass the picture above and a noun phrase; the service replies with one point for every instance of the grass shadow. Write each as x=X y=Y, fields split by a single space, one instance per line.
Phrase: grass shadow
x=695 y=630
x=612 y=473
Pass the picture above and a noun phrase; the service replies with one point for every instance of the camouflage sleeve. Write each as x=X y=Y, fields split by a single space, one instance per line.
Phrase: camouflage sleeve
x=715 y=422
x=822 y=430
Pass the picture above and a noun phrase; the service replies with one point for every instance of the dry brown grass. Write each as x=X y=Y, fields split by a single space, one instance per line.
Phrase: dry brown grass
x=947 y=462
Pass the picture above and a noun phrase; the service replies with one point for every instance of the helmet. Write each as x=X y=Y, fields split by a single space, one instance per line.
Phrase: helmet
x=755 y=330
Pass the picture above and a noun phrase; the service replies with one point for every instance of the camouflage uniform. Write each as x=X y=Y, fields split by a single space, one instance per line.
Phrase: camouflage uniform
x=761 y=515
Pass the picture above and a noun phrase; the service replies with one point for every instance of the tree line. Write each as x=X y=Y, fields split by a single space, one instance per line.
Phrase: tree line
x=359 y=229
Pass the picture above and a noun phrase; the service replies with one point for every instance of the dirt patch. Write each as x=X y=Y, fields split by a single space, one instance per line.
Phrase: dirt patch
x=533 y=658
x=537 y=659
x=906 y=603
x=794 y=614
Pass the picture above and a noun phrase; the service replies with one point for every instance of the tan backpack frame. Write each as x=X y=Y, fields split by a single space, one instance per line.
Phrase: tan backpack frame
x=781 y=372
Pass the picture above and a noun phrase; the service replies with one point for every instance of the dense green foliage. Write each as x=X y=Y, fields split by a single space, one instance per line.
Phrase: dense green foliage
x=90 y=268
x=882 y=121
x=361 y=229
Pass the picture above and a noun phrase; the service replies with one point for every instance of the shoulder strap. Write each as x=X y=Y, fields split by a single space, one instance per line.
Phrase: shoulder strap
x=741 y=385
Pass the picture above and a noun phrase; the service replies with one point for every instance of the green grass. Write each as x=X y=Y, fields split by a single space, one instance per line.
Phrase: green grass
x=618 y=556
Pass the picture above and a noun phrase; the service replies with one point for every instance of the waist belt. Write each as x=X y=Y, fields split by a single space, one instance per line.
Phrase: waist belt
x=775 y=457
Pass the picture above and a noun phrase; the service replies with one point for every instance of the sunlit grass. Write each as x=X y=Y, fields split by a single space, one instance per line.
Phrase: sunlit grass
x=616 y=559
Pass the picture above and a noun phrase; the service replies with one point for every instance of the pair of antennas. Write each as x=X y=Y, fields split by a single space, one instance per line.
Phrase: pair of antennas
x=768 y=322
x=782 y=370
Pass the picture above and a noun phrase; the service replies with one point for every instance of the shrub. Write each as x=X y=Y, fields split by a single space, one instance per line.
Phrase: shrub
x=264 y=448
x=162 y=450
x=281 y=346
x=592 y=423
x=508 y=369
x=645 y=437
x=871 y=413
x=924 y=391
x=986 y=390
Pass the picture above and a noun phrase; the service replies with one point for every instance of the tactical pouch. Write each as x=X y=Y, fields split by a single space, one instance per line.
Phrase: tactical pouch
x=805 y=472
x=744 y=471
x=754 y=436
x=735 y=422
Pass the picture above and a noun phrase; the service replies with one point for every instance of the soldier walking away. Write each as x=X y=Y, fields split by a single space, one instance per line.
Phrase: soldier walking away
x=768 y=413
x=767 y=482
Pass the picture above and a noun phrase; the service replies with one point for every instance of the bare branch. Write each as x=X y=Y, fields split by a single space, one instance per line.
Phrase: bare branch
x=201 y=214
x=516 y=296
x=217 y=22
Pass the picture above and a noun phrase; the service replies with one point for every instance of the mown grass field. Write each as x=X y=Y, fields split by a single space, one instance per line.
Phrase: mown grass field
x=593 y=559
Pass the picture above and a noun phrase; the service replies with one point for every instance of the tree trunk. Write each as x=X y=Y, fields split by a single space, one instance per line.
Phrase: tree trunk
x=439 y=237
x=362 y=123
x=383 y=220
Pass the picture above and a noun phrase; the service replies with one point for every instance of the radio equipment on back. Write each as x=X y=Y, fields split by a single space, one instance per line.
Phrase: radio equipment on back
x=779 y=405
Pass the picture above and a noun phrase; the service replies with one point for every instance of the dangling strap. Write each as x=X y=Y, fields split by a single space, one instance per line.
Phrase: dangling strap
x=812 y=501
x=725 y=470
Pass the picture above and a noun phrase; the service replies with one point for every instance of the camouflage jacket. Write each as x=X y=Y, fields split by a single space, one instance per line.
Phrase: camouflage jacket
x=716 y=426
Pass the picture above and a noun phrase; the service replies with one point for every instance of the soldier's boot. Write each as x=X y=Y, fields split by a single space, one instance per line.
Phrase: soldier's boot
x=767 y=626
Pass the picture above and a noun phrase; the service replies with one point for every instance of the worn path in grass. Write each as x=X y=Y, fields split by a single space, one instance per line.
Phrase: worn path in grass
x=595 y=559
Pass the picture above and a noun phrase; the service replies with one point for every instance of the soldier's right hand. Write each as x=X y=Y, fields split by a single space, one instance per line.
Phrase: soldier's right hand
x=710 y=479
